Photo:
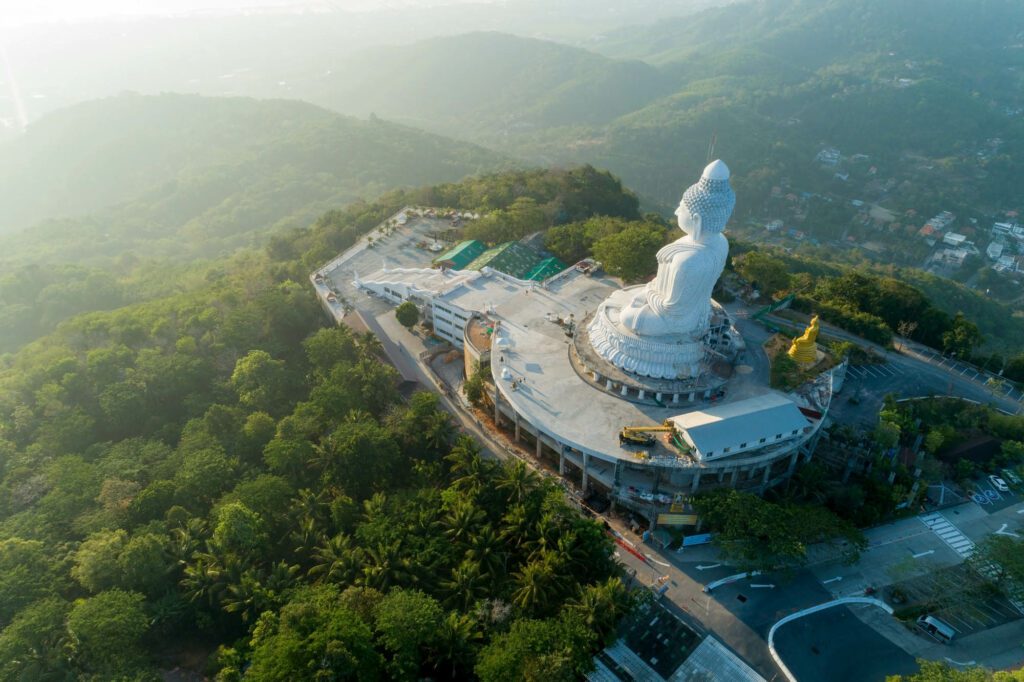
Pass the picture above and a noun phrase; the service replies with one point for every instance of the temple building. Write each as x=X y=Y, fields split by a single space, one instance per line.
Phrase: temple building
x=640 y=393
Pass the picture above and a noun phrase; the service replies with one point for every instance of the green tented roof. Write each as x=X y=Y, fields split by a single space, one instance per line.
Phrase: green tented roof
x=462 y=254
x=549 y=267
x=512 y=258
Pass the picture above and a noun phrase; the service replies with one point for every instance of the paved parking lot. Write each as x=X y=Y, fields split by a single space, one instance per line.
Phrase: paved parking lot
x=958 y=596
x=968 y=372
x=991 y=500
x=886 y=369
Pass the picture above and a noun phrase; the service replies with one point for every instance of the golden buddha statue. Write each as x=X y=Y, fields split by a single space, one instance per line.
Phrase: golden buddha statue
x=804 y=349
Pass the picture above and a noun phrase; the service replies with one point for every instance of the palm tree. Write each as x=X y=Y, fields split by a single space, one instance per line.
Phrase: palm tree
x=384 y=566
x=487 y=549
x=438 y=431
x=306 y=538
x=203 y=578
x=516 y=526
x=370 y=346
x=465 y=587
x=375 y=507
x=535 y=586
x=546 y=533
x=453 y=647
x=602 y=606
x=186 y=540
x=336 y=560
x=462 y=521
x=517 y=481
x=467 y=466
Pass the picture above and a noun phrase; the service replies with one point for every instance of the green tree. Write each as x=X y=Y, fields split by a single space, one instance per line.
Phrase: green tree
x=96 y=566
x=313 y=637
x=763 y=271
x=106 y=631
x=407 y=622
x=259 y=380
x=26 y=574
x=939 y=671
x=963 y=338
x=408 y=314
x=144 y=565
x=760 y=535
x=631 y=254
x=32 y=646
x=553 y=650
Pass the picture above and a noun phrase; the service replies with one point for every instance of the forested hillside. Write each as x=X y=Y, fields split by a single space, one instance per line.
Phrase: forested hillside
x=209 y=167
x=213 y=480
x=484 y=85
x=190 y=179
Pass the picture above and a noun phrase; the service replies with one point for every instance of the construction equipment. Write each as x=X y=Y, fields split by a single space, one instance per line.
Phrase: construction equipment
x=641 y=435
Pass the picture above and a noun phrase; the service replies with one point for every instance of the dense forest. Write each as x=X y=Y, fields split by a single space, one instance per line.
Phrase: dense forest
x=161 y=188
x=213 y=479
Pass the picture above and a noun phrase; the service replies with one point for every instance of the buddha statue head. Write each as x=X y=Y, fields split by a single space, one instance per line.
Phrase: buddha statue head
x=707 y=205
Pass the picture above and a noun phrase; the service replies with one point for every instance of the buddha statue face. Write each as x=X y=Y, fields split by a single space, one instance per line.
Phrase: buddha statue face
x=689 y=222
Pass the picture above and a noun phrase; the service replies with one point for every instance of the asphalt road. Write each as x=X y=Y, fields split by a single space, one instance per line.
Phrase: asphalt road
x=836 y=646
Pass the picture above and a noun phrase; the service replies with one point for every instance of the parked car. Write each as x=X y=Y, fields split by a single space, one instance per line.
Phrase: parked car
x=998 y=483
x=1011 y=476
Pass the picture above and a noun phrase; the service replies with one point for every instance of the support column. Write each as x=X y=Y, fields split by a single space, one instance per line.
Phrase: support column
x=516 y=419
x=690 y=398
x=625 y=389
x=767 y=474
x=695 y=484
x=497 y=400
x=641 y=394
x=721 y=475
x=735 y=475
x=608 y=384
x=792 y=461
x=586 y=473
x=657 y=396
x=561 y=461
x=540 y=444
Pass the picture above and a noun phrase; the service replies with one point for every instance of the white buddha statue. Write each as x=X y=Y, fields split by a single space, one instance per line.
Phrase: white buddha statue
x=657 y=329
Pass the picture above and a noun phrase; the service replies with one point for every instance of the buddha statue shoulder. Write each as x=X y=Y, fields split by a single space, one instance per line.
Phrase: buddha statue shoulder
x=678 y=300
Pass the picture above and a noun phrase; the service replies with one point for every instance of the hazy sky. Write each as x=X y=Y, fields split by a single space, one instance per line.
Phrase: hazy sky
x=21 y=11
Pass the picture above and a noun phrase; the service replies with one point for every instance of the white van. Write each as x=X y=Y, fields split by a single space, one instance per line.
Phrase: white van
x=938 y=629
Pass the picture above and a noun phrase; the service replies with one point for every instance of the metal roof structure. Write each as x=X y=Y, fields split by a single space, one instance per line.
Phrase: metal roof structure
x=549 y=267
x=741 y=425
x=462 y=254
x=512 y=258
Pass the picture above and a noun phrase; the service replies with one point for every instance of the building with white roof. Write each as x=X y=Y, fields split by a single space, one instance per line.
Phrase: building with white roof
x=744 y=425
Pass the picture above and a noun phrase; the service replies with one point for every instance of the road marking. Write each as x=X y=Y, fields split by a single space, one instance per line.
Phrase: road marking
x=921 y=554
x=948 y=533
x=770 y=587
x=1003 y=531
x=650 y=558
x=704 y=568
x=830 y=580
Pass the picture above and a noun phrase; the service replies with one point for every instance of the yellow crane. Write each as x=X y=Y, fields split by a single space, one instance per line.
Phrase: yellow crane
x=641 y=435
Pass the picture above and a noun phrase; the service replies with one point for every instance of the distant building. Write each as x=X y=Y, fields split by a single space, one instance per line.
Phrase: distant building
x=773 y=225
x=995 y=250
x=1002 y=228
x=952 y=257
x=954 y=239
x=829 y=156
x=1006 y=264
